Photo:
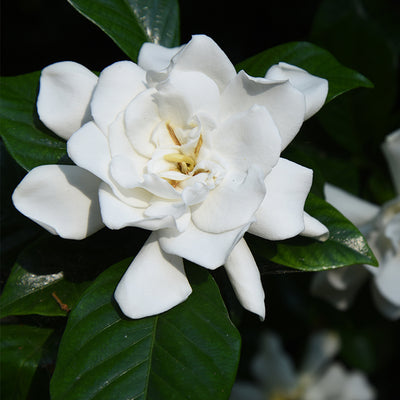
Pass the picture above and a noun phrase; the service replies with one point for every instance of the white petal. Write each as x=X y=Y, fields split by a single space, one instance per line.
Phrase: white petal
x=391 y=149
x=247 y=139
x=155 y=57
x=357 y=387
x=272 y=366
x=206 y=249
x=65 y=92
x=387 y=279
x=204 y=55
x=141 y=118
x=283 y=101
x=339 y=286
x=117 y=214
x=386 y=307
x=245 y=278
x=315 y=89
x=357 y=210
x=62 y=199
x=154 y=282
x=118 y=84
x=314 y=229
x=321 y=349
x=280 y=215
x=232 y=203
x=184 y=94
x=88 y=148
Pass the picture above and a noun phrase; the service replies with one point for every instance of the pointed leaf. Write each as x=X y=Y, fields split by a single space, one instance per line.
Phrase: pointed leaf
x=130 y=23
x=26 y=138
x=313 y=59
x=190 y=351
x=345 y=246
x=21 y=349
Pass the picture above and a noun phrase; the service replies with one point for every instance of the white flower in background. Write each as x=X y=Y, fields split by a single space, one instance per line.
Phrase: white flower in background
x=319 y=377
x=381 y=226
x=182 y=145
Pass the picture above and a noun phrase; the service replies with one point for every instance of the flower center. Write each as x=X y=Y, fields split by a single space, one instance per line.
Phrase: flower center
x=184 y=163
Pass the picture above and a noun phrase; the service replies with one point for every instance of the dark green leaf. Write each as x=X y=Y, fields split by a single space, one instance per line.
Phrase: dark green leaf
x=130 y=23
x=21 y=349
x=312 y=58
x=345 y=246
x=190 y=351
x=26 y=138
x=28 y=293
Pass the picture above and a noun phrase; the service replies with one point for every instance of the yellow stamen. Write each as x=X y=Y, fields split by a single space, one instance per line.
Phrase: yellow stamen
x=185 y=163
x=198 y=146
x=172 y=134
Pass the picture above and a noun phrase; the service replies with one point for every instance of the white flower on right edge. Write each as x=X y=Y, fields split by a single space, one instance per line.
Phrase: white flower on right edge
x=381 y=226
x=319 y=377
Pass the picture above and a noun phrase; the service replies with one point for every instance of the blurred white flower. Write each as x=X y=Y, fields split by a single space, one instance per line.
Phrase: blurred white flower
x=381 y=226
x=319 y=377
x=182 y=145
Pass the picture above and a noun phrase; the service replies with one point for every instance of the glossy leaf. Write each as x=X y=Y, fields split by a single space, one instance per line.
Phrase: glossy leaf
x=345 y=246
x=26 y=138
x=190 y=351
x=28 y=293
x=21 y=349
x=312 y=58
x=130 y=23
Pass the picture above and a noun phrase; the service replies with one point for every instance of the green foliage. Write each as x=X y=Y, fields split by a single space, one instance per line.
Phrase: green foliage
x=26 y=138
x=130 y=23
x=190 y=351
x=312 y=58
x=21 y=349
x=345 y=246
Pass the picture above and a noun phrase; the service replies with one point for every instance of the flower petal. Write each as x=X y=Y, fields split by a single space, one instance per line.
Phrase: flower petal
x=89 y=149
x=357 y=210
x=280 y=215
x=154 y=282
x=153 y=57
x=206 y=249
x=204 y=55
x=283 y=101
x=385 y=306
x=62 y=199
x=272 y=366
x=232 y=203
x=117 y=214
x=247 y=139
x=65 y=92
x=141 y=118
x=314 y=229
x=339 y=286
x=245 y=278
x=387 y=279
x=118 y=84
x=315 y=89
x=321 y=349
x=391 y=149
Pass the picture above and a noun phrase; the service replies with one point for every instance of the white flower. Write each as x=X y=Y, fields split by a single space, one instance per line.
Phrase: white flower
x=182 y=145
x=319 y=377
x=381 y=226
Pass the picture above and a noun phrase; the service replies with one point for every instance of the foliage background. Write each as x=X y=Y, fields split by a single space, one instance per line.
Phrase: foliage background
x=344 y=148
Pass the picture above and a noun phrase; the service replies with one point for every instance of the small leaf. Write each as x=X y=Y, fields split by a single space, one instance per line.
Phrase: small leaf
x=191 y=351
x=130 y=23
x=21 y=349
x=313 y=59
x=345 y=246
x=26 y=138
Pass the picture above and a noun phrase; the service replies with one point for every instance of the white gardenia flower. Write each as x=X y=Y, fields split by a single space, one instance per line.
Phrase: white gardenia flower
x=184 y=146
x=319 y=377
x=381 y=226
